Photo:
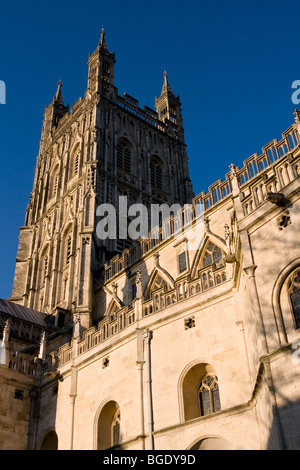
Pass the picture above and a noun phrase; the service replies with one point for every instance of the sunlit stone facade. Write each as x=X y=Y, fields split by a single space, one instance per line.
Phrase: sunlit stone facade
x=186 y=339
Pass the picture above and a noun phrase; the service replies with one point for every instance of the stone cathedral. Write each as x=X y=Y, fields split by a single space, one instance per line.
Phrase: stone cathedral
x=178 y=340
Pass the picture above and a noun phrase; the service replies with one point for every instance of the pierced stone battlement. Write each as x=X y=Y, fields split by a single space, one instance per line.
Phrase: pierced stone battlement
x=273 y=170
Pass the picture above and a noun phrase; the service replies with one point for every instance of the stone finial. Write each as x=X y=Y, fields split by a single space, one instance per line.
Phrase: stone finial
x=6 y=331
x=58 y=98
x=76 y=325
x=233 y=169
x=102 y=42
x=139 y=286
x=42 y=351
x=297 y=116
x=4 y=350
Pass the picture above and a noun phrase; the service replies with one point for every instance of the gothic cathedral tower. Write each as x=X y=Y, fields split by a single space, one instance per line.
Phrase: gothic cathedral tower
x=104 y=147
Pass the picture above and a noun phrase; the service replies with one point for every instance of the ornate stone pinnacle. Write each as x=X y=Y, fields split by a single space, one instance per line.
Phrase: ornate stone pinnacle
x=6 y=330
x=233 y=169
x=297 y=116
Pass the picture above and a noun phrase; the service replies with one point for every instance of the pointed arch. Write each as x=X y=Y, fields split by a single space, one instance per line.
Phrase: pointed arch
x=67 y=244
x=43 y=263
x=210 y=442
x=113 y=306
x=49 y=440
x=54 y=180
x=153 y=280
x=284 y=314
x=212 y=245
x=157 y=171
x=74 y=159
x=107 y=425
x=197 y=375
x=124 y=153
x=114 y=303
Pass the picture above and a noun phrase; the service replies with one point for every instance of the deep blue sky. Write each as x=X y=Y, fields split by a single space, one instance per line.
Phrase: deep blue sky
x=232 y=63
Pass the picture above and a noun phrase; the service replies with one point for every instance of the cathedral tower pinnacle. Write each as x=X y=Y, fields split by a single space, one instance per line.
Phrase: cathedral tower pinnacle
x=104 y=148
x=101 y=68
x=168 y=106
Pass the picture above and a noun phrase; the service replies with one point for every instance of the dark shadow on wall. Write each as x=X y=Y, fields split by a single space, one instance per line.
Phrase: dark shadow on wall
x=285 y=430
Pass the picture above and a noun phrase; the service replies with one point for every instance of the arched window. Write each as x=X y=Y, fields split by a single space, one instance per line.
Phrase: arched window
x=156 y=173
x=200 y=392
x=213 y=255
x=50 y=441
x=294 y=294
x=54 y=183
x=286 y=302
x=76 y=163
x=209 y=399
x=42 y=268
x=68 y=248
x=159 y=283
x=108 y=426
x=73 y=163
x=123 y=157
x=45 y=266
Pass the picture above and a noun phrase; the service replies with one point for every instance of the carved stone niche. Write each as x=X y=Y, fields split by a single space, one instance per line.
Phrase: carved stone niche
x=283 y=220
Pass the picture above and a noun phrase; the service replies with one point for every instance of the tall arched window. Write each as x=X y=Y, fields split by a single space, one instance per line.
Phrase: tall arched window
x=156 y=173
x=50 y=441
x=108 y=426
x=68 y=248
x=73 y=163
x=158 y=283
x=123 y=157
x=54 y=183
x=209 y=399
x=200 y=392
x=76 y=163
x=286 y=302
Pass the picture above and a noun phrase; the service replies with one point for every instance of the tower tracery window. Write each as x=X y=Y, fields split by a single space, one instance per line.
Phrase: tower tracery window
x=45 y=266
x=68 y=248
x=76 y=164
x=54 y=184
x=156 y=173
x=123 y=157
x=209 y=398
